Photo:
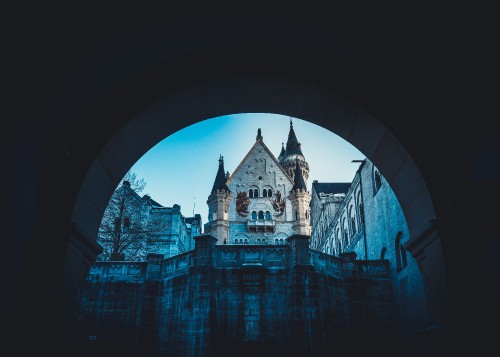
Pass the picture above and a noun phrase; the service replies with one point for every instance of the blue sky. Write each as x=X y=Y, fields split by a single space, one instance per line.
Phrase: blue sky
x=181 y=168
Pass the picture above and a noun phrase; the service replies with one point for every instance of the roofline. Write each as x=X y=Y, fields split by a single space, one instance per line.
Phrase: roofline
x=248 y=154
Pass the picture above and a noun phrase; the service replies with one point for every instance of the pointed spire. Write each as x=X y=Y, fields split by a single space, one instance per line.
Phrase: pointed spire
x=259 y=135
x=298 y=179
x=282 y=153
x=292 y=144
x=220 y=178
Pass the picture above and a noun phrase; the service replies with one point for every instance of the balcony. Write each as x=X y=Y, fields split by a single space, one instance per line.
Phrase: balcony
x=261 y=225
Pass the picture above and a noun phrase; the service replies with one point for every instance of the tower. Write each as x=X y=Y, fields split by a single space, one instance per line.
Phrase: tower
x=218 y=205
x=291 y=154
x=300 y=198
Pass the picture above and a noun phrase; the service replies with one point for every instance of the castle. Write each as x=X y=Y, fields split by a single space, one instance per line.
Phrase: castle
x=278 y=270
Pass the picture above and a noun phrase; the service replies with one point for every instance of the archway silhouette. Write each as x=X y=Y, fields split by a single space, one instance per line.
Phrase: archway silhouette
x=199 y=102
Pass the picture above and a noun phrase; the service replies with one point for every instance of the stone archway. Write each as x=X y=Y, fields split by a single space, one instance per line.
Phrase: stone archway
x=260 y=95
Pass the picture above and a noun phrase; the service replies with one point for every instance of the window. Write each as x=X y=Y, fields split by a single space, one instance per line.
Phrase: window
x=401 y=261
x=250 y=193
x=377 y=181
x=254 y=215
x=255 y=193
x=353 y=226
x=269 y=193
x=268 y=215
x=261 y=215
x=264 y=193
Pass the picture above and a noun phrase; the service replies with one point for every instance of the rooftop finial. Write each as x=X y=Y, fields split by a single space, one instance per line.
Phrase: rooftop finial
x=221 y=160
x=291 y=125
x=259 y=135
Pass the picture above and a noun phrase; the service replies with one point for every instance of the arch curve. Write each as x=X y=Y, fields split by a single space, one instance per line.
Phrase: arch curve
x=252 y=94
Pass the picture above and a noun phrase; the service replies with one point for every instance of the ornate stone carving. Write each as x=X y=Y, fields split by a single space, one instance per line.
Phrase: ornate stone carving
x=242 y=202
x=278 y=204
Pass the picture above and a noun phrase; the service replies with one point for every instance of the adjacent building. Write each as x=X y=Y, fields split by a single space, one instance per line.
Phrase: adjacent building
x=134 y=226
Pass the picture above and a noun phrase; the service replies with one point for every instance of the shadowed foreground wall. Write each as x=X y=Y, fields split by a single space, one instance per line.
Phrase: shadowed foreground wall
x=227 y=300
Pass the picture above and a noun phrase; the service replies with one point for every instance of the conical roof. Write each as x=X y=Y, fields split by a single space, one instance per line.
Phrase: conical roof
x=298 y=179
x=220 y=178
x=292 y=144
x=282 y=153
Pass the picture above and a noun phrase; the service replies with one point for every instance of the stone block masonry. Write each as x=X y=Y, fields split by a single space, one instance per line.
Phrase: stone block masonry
x=237 y=300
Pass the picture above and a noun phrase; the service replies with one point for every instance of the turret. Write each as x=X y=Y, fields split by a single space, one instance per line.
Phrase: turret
x=293 y=153
x=218 y=205
x=300 y=198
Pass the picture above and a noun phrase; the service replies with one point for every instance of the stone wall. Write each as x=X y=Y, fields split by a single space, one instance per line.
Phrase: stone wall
x=227 y=300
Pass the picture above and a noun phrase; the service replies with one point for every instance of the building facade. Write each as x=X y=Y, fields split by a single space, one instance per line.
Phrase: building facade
x=134 y=226
x=265 y=199
x=365 y=217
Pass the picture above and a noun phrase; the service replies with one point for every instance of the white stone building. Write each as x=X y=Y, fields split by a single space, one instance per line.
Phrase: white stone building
x=265 y=199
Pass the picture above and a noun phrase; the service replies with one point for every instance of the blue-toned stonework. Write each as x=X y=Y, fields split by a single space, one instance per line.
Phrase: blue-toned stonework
x=218 y=299
x=280 y=270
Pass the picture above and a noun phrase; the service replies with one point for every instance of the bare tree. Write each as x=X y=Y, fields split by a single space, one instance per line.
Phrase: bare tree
x=125 y=226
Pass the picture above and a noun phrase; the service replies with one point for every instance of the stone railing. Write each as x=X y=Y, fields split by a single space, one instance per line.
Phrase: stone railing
x=178 y=264
x=261 y=225
x=117 y=271
x=325 y=263
x=264 y=255
x=373 y=268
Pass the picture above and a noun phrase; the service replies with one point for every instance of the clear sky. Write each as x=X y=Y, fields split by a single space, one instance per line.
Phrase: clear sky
x=181 y=168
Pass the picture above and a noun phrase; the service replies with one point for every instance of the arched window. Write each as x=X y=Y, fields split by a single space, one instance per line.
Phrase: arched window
x=261 y=215
x=268 y=215
x=255 y=193
x=346 y=239
x=339 y=250
x=258 y=241
x=281 y=241
x=276 y=241
x=404 y=262
x=250 y=193
x=246 y=241
x=400 y=252
x=254 y=215
x=269 y=193
x=353 y=226
x=382 y=253
x=377 y=181
x=264 y=193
